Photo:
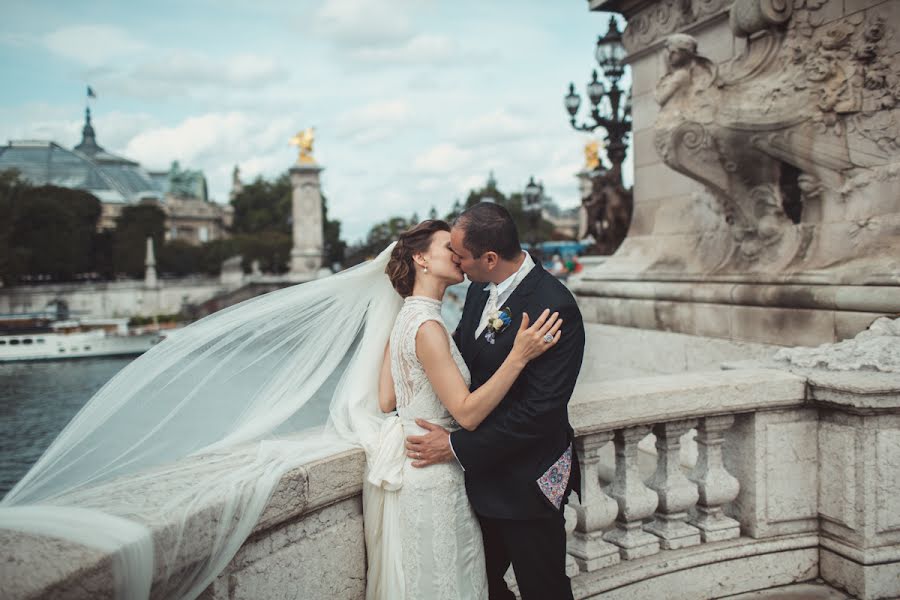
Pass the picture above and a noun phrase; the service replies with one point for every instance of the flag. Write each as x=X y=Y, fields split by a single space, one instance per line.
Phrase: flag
x=90 y=92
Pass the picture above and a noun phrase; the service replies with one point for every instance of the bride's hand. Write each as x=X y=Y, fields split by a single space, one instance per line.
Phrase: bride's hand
x=531 y=341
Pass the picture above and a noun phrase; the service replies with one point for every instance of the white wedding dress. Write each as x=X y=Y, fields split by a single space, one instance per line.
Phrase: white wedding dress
x=430 y=542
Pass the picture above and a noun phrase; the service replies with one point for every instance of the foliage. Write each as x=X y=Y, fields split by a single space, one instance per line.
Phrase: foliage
x=133 y=227
x=45 y=231
x=263 y=206
x=163 y=318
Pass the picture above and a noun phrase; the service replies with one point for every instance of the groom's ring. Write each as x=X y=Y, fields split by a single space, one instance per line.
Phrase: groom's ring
x=548 y=338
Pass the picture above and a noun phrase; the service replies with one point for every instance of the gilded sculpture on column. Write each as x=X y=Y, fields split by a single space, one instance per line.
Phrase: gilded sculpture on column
x=304 y=141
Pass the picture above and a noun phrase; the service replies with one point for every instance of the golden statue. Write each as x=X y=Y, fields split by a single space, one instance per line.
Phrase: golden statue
x=304 y=141
x=592 y=155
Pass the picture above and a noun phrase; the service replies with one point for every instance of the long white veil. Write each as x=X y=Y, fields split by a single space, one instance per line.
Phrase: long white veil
x=209 y=420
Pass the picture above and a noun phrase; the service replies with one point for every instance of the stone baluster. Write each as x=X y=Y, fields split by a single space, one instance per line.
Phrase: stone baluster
x=676 y=493
x=716 y=486
x=595 y=511
x=636 y=501
x=572 y=568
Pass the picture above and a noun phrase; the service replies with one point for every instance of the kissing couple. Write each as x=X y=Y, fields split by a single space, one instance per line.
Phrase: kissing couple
x=473 y=470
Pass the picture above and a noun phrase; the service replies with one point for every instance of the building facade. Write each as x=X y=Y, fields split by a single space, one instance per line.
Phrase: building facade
x=119 y=182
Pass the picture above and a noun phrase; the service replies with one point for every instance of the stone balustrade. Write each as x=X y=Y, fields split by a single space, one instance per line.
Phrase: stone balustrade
x=794 y=477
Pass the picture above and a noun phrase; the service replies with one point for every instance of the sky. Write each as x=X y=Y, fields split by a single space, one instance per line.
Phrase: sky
x=414 y=102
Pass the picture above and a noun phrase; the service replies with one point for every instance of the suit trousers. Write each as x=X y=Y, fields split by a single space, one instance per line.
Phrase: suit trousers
x=537 y=550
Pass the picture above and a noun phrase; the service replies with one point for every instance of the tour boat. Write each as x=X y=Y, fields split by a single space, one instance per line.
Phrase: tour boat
x=37 y=339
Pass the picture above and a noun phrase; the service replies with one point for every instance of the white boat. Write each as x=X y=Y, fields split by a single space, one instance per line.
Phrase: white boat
x=75 y=339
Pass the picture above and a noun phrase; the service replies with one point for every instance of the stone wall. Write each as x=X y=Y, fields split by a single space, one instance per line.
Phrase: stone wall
x=113 y=299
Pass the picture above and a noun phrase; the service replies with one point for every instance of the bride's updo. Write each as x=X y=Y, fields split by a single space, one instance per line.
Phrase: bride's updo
x=401 y=268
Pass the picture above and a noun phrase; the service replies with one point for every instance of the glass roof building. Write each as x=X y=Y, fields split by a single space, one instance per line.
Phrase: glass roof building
x=113 y=179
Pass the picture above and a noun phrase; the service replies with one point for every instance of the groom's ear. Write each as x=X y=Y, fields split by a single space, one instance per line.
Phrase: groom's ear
x=491 y=259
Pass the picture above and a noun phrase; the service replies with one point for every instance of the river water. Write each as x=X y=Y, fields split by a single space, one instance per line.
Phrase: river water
x=38 y=399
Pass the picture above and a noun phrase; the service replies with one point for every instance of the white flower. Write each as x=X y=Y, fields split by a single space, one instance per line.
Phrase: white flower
x=497 y=323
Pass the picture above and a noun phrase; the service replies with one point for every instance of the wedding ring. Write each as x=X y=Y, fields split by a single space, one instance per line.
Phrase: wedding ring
x=548 y=338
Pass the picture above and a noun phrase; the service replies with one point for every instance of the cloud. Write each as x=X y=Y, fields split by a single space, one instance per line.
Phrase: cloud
x=441 y=159
x=227 y=137
x=185 y=68
x=421 y=49
x=363 y=22
x=496 y=126
x=374 y=122
x=92 y=45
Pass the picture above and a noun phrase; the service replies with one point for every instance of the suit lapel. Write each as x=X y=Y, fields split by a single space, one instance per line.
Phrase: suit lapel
x=472 y=319
x=516 y=302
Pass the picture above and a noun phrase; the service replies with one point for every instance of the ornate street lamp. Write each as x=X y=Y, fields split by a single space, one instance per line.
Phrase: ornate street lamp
x=607 y=109
x=534 y=200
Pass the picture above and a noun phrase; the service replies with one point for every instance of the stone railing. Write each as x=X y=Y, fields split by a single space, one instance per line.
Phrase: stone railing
x=759 y=478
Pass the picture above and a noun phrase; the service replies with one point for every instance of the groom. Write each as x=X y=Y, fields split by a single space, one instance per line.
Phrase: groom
x=519 y=464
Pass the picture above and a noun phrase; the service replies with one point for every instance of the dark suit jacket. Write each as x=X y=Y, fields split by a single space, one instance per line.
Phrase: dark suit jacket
x=529 y=430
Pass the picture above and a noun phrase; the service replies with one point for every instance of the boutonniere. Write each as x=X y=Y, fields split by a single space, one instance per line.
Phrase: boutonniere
x=497 y=322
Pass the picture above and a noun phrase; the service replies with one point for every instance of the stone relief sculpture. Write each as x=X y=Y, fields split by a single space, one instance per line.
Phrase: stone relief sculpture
x=799 y=122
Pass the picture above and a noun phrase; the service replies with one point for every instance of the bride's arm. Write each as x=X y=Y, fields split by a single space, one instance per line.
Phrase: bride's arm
x=470 y=408
x=387 y=398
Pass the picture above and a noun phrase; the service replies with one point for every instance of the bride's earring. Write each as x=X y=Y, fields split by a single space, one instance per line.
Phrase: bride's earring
x=425 y=270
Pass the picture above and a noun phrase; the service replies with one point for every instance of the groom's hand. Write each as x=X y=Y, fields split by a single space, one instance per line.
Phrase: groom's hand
x=429 y=449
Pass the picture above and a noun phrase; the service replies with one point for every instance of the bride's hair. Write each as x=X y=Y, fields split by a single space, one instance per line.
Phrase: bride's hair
x=401 y=269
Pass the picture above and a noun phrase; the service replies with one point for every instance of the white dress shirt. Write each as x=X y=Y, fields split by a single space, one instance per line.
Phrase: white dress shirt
x=499 y=293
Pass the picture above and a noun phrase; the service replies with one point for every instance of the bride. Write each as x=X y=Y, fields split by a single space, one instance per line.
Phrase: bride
x=189 y=441
x=423 y=539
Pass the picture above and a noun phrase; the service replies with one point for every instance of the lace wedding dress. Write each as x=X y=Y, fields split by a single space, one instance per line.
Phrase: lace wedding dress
x=438 y=544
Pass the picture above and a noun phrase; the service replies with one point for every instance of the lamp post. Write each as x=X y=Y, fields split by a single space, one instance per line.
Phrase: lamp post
x=534 y=197
x=608 y=111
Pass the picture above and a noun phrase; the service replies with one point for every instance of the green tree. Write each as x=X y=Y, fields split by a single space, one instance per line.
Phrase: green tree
x=133 y=227
x=335 y=247
x=179 y=258
x=379 y=236
x=46 y=230
x=263 y=206
x=12 y=261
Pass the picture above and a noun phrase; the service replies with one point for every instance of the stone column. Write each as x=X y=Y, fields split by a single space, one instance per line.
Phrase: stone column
x=717 y=486
x=676 y=493
x=306 y=210
x=595 y=510
x=150 y=264
x=636 y=501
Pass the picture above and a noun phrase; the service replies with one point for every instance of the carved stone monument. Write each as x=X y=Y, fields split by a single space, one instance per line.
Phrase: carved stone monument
x=767 y=170
x=306 y=211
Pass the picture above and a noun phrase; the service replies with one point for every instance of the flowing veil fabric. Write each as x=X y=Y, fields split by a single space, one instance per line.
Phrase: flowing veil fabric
x=209 y=420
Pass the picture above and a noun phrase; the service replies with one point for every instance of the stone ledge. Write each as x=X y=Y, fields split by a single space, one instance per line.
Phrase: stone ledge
x=83 y=572
x=866 y=557
x=604 y=406
x=857 y=392
x=635 y=578
x=785 y=295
